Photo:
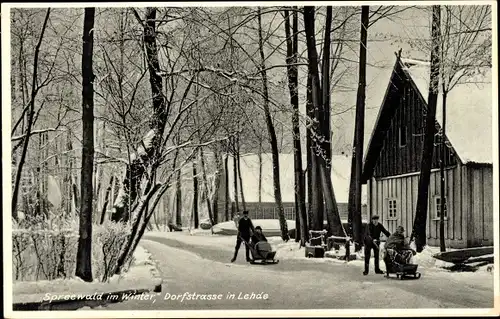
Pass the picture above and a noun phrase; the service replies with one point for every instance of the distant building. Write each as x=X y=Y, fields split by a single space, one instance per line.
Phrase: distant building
x=341 y=170
x=392 y=162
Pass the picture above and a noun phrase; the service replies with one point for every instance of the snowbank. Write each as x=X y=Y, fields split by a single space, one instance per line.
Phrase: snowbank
x=142 y=274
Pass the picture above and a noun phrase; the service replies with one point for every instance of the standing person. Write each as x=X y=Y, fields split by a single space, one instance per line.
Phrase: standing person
x=245 y=230
x=372 y=241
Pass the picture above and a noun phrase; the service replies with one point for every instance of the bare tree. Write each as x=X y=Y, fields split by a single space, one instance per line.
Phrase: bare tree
x=84 y=254
x=357 y=158
x=465 y=46
x=419 y=225
x=331 y=209
x=196 y=215
x=30 y=115
x=272 y=136
x=291 y=32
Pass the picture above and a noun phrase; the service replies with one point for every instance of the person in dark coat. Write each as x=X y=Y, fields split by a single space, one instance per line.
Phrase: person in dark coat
x=258 y=235
x=372 y=241
x=398 y=243
x=245 y=231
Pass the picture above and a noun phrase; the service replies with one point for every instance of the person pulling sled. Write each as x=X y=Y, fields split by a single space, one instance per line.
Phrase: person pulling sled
x=372 y=241
x=245 y=231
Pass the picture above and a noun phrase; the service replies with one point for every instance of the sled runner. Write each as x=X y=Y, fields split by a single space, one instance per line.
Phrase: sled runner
x=395 y=264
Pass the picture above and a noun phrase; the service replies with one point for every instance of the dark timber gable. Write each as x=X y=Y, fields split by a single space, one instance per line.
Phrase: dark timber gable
x=396 y=144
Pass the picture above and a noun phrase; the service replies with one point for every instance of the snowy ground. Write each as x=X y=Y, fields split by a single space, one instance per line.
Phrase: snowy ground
x=293 y=284
x=291 y=251
x=142 y=274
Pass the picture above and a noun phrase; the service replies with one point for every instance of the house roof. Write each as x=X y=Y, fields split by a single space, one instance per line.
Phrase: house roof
x=463 y=127
x=469 y=112
x=341 y=170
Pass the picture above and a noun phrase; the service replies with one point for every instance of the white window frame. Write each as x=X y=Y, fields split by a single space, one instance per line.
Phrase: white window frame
x=437 y=207
x=390 y=209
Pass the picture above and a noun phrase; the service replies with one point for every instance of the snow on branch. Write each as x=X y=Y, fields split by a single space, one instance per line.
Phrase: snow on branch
x=227 y=74
x=20 y=137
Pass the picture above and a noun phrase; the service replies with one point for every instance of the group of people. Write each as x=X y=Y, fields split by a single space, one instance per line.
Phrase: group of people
x=248 y=233
x=396 y=243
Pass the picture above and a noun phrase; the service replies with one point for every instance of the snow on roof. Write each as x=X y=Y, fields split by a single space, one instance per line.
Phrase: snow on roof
x=377 y=79
x=341 y=172
x=469 y=112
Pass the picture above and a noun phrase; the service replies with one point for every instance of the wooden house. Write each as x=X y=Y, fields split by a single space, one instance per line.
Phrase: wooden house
x=393 y=156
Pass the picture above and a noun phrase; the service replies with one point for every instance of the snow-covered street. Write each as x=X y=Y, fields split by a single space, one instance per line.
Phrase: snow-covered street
x=203 y=268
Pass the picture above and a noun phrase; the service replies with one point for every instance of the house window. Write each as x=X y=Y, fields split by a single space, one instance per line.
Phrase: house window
x=403 y=134
x=438 y=207
x=392 y=203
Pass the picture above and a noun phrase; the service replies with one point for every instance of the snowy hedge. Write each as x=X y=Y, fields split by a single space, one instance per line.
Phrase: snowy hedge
x=47 y=250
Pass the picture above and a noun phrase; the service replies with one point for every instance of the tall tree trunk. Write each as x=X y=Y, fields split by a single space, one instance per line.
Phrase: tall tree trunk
x=98 y=172
x=238 y=161
x=45 y=177
x=314 y=96
x=325 y=72
x=68 y=178
x=148 y=153
x=357 y=156
x=351 y=202
x=195 y=197
x=309 y=164
x=260 y=176
x=235 y=176
x=226 y=188
x=272 y=136
x=324 y=111
x=442 y=239
x=178 y=192
x=106 y=199
x=331 y=210
x=314 y=190
x=76 y=198
x=205 y=185
x=217 y=182
x=30 y=115
x=300 y=204
x=420 y=223
x=84 y=253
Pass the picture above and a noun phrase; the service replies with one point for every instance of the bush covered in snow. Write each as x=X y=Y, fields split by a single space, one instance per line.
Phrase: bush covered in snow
x=46 y=250
x=107 y=242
